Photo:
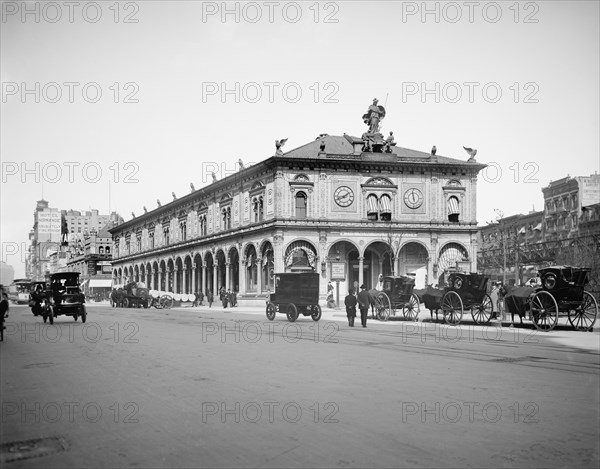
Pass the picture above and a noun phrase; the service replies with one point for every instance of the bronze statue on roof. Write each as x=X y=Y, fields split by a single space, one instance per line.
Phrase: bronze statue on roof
x=373 y=116
x=372 y=138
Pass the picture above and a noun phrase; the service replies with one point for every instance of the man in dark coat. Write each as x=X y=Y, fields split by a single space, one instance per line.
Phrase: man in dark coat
x=350 y=302
x=363 y=304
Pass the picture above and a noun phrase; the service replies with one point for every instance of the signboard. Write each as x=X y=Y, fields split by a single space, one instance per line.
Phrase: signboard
x=49 y=225
x=338 y=271
x=589 y=188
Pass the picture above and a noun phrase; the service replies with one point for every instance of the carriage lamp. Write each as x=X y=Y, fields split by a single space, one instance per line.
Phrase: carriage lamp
x=550 y=281
x=323 y=266
x=435 y=269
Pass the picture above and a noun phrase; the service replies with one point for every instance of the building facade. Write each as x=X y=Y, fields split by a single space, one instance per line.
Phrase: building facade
x=565 y=232
x=45 y=239
x=92 y=259
x=346 y=207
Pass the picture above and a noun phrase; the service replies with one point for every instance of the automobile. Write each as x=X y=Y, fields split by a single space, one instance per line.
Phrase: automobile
x=64 y=297
x=37 y=295
x=135 y=295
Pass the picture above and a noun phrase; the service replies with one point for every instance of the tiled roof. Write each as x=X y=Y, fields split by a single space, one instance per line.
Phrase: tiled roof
x=342 y=146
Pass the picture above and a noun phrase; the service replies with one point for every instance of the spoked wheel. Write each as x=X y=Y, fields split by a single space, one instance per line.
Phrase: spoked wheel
x=316 y=313
x=584 y=317
x=452 y=308
x=125 y=303
x=411 y=309
x=482 y=313
x=544 y=311
x=383 y=306
x=292 y=312
x=166 y=301
x=270 y=311
x=83 y=314
x=51 y=314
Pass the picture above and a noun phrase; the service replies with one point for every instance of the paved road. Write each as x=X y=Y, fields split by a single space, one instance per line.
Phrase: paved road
x=213 y=388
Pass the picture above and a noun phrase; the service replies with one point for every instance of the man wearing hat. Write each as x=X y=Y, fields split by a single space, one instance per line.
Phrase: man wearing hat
x=363 y=304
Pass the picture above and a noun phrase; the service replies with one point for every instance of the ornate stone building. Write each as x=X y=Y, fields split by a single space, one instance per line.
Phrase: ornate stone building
x=349 y=208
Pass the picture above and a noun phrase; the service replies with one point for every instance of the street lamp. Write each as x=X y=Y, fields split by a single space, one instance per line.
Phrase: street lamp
x=500 y=216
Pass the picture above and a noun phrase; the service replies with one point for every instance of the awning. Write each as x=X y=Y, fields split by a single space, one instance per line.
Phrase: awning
x=538 y=227
x=453 y=206
x=84 y=282
x=372 y=204
x=385 y=204
x=100 y=283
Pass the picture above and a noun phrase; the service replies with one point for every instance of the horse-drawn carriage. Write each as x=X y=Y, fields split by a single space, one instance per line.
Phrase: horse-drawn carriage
x=464 y=292
x=562 y=292
x=295 y=293
x=397 y=293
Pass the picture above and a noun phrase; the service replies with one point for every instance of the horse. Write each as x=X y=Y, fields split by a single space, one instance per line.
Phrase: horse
x=516 y=301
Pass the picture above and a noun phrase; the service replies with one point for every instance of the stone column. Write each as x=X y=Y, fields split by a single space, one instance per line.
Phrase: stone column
x=396 y=265
x=242 y=275
x=160 y=278
x=214 y=287
x=193 y=287
x=259 y=263
x=176 y=279
x=361 y=267
x=227 y=272
x=205 y=285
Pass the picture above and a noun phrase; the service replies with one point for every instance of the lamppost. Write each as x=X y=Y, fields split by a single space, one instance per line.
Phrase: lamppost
x=500 y=216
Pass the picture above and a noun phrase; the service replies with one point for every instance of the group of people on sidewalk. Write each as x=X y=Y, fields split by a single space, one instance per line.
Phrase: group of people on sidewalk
x=228 y=297
x=362 y=300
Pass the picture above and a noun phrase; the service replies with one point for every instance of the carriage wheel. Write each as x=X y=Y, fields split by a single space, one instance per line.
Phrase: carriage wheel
x=316 y=313
x=544 y=311
x=125 y=303
x=270 y=311
x=482 y=313
x=411 y=309
x=292 y=312
x=584 y=317
x=51 y=315
x=166 y=301
x=452 y=308
x=83 y=314
x=383 y=306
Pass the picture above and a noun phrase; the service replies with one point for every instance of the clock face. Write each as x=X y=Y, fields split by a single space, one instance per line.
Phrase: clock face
x=343 y=196
x=413 y=198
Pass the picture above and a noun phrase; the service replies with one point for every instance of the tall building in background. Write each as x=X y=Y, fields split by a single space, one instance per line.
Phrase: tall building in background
x=45 y=238
x=58 y=235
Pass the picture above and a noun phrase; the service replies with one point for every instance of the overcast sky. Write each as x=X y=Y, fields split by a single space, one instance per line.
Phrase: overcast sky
x=112 y=105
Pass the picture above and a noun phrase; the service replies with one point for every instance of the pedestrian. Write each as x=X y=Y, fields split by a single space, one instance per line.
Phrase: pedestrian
x=494 y=298
x=209 y=298
x=199 y=298
x=363 y=304
x=233 y=298
x=379 y=286
x=224 y=298
x=350 y=302
x=500 y=301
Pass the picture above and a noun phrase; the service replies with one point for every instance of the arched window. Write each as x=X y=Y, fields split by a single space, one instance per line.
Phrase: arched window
x=372 y=207
x=385 y=207
x=301 y=205
x=101 y=250
x=453 y=209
